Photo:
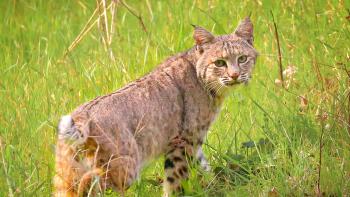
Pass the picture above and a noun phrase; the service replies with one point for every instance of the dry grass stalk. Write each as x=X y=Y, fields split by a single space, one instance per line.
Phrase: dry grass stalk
x=348 y=95
x=103 y=25
x=5 y=169
x=82 y=33
x=112 y=29
x=138 y=16
x=86 y=29
x=106 y=19
x=318 y=186
x=279 y=50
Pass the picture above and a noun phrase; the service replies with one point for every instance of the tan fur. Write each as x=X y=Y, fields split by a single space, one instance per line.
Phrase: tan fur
x=67 y=170
x=168 y=111
x=87 y=178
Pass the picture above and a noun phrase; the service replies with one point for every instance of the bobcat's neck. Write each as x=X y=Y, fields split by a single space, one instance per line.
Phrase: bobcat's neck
x=191 y=55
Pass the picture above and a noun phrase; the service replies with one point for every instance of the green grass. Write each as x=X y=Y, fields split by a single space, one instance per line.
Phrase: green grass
x=37 y=86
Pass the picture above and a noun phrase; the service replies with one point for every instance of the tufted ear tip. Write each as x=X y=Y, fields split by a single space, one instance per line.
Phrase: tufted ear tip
x=247 y=19
x=201 y=35
x=245 y=30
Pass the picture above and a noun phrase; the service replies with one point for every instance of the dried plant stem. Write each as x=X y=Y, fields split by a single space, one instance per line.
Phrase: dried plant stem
x=112 y=29
x=348 y=95
x=318 y=189
x=279 y=50
x=113 y=8
x=103 y=26
x=88 y=26
x=349 y=108
x=102 y=23
x=150 y=9
x=106 y=20
x=138 y=16
x=82 y=33
x=106 y=32
x=318 y=72
x=10 y=194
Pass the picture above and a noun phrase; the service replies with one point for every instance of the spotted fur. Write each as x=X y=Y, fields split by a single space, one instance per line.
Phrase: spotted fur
x=105 y=143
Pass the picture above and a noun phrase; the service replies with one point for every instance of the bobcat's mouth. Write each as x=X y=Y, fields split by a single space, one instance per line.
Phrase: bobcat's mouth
x=232 y=83
x=229 y=82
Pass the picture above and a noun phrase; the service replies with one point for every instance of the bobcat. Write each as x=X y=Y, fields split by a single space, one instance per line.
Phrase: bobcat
x=105 y=142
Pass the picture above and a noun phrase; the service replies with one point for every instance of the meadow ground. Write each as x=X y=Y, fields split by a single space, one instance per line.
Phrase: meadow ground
x=266 y=141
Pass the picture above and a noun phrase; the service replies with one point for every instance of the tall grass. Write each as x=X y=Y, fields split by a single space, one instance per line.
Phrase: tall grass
x=266 y=141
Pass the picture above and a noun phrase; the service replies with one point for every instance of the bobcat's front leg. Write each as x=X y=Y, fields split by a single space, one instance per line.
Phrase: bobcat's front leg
x=181 y=151
x=202 y=160
x=176 y=164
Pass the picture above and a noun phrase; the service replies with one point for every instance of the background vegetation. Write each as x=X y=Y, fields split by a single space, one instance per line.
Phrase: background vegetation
x=268 y=140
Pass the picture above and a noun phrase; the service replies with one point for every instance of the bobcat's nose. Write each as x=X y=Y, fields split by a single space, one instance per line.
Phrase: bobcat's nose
x=233 y=74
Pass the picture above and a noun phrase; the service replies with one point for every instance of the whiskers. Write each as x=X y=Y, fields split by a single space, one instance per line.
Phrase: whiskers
x=226 y=81
x=220 y=85
x=214 y=87
x=244 y=78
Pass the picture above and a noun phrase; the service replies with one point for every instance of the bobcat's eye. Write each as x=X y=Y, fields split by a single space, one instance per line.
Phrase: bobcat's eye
x=220 y=63
x=242 y=59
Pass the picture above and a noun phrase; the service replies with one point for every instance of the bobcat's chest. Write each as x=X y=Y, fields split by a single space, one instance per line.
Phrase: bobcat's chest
x=199 y=118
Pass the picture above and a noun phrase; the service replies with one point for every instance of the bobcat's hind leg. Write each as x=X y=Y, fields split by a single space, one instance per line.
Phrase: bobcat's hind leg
x=121 y=172
x=119 y=158
x=67 y=172
x=75 y=161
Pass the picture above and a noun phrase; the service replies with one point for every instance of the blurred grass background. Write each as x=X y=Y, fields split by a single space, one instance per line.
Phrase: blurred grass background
x=266 y=141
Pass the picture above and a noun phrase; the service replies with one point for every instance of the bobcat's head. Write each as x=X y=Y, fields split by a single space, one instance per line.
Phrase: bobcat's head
x=226 y=60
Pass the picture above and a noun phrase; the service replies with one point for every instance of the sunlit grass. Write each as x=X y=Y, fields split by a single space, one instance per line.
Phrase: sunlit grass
x=37 y=86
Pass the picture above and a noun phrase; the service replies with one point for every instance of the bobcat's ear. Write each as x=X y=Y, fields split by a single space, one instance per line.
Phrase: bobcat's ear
x=201 y=35
x=245 y=30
